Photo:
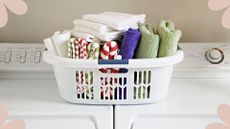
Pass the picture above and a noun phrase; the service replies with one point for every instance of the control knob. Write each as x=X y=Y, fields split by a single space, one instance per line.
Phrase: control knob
x=214 y=56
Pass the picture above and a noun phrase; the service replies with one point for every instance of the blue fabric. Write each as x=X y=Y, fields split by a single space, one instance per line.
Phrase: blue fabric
x=129 y=43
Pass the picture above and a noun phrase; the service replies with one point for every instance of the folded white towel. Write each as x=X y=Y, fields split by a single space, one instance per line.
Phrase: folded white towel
x=104 y=36
x=81 y=34
x=93 y=25
x=118 y=21
x=84 y=35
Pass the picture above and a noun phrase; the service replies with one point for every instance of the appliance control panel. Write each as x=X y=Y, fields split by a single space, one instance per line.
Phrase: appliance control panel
x=22 y=55
x=206 y=55
x=29 y=56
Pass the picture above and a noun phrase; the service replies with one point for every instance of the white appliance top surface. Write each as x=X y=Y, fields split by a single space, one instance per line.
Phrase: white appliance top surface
x=40 y=96
x=191 y=104
x=188 y=96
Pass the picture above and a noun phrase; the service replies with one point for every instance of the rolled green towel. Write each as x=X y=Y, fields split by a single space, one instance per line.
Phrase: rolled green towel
x=169 y=38
x=149 y=43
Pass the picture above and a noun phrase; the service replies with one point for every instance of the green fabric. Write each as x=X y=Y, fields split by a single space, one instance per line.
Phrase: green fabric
x=149 y=43
x=93 y=50
x=141 y=92
x=142 y=80
x=169 y=38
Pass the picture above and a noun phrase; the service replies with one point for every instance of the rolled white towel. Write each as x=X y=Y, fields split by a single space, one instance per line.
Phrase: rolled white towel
x=93 y=25
x=115 y=20
x=50 y=46
x=60 y=42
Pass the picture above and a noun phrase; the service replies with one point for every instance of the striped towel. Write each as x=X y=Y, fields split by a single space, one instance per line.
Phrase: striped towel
x=70 y=48
x=109 y=52
x=77 y=48
x=81 y=51
x=93 y=50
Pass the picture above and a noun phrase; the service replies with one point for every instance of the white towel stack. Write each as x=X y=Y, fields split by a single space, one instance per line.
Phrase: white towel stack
x=106 y=26
x=99 y=33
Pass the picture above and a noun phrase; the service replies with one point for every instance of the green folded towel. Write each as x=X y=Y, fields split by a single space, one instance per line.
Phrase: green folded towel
x=149 y=43
x=169 y=38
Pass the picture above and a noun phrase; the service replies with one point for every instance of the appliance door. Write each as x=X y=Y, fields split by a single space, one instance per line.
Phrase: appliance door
x=58 y=121
x=191 y=104
x=37 y=102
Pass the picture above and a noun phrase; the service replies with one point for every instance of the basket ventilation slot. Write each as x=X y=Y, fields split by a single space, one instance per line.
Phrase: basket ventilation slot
x=84 y=85
x=142 y=81
x=113 y=88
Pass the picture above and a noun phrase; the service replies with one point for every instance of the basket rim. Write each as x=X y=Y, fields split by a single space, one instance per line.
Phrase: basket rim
x=55 y=60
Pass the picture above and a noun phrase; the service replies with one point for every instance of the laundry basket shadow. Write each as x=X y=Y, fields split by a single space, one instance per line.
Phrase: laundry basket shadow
x=144 y=80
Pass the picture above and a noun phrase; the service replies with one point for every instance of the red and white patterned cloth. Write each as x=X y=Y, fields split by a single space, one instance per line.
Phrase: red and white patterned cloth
x=81 y=51
x=109 y=51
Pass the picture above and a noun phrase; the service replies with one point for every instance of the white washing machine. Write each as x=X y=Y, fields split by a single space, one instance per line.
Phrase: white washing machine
x=29 y=90
x=199 y=85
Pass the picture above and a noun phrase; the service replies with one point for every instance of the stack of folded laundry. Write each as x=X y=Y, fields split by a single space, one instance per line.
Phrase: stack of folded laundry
x=106 y=26
x=113 y=36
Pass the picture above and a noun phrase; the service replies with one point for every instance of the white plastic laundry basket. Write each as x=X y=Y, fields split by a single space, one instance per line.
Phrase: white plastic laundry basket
x=81 y=81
